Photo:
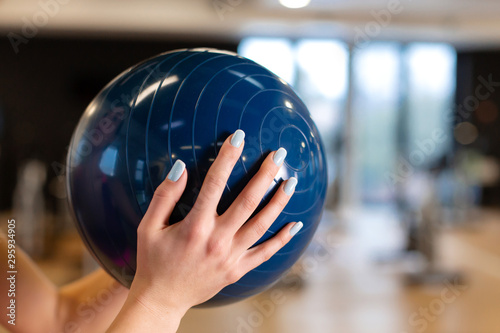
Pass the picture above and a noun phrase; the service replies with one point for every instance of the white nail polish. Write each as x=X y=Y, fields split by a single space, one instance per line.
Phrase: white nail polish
x=295 y=229
x=290 y=184
x=279 y=156
x=176 y=171
x=237 y=138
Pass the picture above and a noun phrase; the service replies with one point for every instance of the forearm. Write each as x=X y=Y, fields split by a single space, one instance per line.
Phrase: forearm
x=91 y=303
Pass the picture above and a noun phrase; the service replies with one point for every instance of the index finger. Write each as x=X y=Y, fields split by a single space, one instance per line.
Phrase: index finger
x=219 y=172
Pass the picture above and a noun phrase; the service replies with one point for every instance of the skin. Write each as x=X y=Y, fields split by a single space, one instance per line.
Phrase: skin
x=178 y=266
x=42 y=307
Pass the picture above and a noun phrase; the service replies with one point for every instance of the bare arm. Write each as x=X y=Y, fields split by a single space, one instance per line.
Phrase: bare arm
x=91 y=303
x=42 y=307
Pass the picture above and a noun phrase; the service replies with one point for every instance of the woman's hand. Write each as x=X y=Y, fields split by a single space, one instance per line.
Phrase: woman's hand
x=187 y=263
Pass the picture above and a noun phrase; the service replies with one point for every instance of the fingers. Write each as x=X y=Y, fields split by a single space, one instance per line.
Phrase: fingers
x=218 y=174
x=248 y=200
x=165 y=198
x=263 y=252
x=255 y=228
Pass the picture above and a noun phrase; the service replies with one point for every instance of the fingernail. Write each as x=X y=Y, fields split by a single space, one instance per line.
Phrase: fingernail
x=237 y=138
x=296 y=227
x=290 y=185
x=176 y=171
x=279 y=156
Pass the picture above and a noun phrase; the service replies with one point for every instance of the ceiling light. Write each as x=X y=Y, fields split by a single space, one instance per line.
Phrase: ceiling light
x=295 y=3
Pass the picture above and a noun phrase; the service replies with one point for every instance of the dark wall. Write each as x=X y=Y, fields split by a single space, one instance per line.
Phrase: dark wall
x=478 y=101
x=46 y=87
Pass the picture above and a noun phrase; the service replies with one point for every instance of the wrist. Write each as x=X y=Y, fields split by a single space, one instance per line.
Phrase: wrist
x=161 y=309
x=159 y=300
x=139 y=314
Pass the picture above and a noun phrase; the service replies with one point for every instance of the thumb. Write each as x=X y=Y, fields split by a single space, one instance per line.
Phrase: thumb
x=166 y=197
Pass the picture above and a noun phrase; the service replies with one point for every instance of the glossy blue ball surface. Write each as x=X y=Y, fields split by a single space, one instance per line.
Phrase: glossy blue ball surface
x=183 y=105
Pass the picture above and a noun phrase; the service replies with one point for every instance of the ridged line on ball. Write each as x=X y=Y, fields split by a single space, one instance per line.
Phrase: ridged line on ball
x=200 y=96
x=150 y=114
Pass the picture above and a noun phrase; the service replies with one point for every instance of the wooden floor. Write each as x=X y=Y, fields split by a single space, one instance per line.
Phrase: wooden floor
x=347 y=291
x=341 y=285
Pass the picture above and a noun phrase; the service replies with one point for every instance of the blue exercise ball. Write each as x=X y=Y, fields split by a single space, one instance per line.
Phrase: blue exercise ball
x=183 y=105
